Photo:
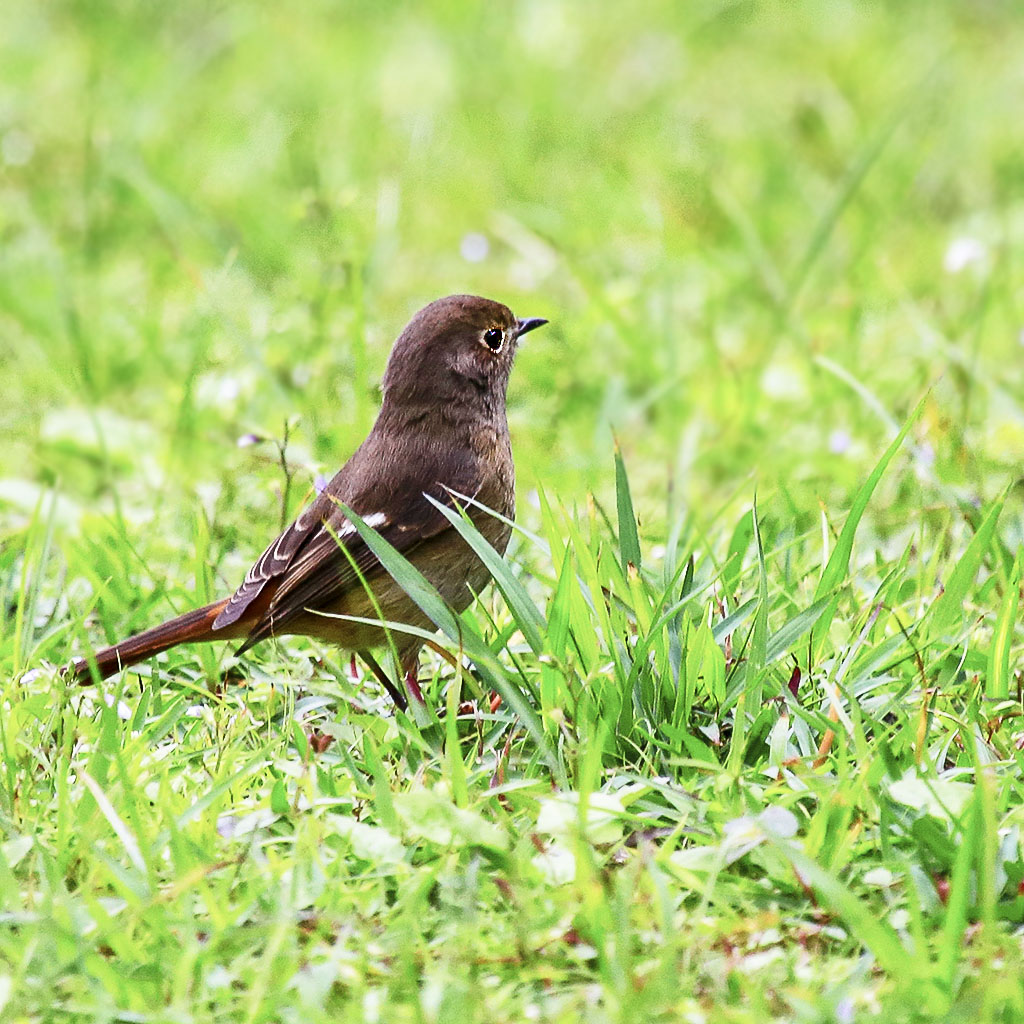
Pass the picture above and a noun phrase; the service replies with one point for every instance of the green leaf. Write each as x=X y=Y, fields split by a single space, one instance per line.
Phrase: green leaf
x=961 y=892
x=381 y=788
x=997 y=682
x=860 y=919
x=407 y=576
x=375 y=845
x=300 y=740
x=560 y=611
x=629 y=539
x=783 y=639
x=738 y=544
x=941 y=798
x=949 y=606
x=706 y=662
x=598 y=817
x=758 y=651
x=415 y=584
x=279 y=797
x=528 y=617
x=428 y=814
x=129 y=842
x=732 y=622
x=839 y=562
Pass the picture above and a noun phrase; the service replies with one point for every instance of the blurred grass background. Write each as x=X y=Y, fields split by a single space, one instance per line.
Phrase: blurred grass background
x=216 y=216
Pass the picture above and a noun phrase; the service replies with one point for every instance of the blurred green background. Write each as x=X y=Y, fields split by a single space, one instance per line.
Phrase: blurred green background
x=760 y=231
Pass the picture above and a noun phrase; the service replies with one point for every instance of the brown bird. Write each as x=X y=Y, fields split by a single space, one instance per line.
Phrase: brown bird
x=441 y=429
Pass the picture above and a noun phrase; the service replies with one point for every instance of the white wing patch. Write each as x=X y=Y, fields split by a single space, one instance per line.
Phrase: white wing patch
x=373 y=521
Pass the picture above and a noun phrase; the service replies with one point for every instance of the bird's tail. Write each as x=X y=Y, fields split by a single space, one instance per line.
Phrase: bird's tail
x=192 y=627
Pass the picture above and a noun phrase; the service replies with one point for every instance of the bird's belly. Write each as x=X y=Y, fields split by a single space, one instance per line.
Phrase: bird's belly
x=448 y=564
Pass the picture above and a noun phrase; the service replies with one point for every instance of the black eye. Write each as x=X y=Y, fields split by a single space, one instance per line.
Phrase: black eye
x=494 y=339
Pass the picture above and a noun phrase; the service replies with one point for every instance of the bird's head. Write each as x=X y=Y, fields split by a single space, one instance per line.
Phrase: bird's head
x=459 y=348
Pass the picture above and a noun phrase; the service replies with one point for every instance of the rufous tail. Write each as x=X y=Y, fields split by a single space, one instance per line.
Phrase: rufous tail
x=192 y=627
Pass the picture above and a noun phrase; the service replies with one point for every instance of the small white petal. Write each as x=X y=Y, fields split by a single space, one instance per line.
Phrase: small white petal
x=474 y=247
x=839 y=442
x=962 y=252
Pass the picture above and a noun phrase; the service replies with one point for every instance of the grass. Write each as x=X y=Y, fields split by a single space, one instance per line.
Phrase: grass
x=758 y=637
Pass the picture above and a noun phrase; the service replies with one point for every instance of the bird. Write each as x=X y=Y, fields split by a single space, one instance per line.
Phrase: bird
x=441 y=433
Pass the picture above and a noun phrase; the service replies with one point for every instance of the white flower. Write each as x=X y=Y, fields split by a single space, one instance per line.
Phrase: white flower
x=474 y=247
x=962 y=252
x=839 y=442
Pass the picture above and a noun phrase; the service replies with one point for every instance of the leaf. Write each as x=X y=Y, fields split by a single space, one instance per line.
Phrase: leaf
x=740 y=836
x=941 y=798
x=839 y=561
x=783 y=639
x=371 y=843
x=732 y=622
x=427 y=814
x=556 y=864
x=560 y=816
x=129 y=843
x=300 y=740
x=528 y=616
x=706 y=661
x=738 y=544
x=962 y=889
x=407 y=576
x=859 y=918
x=997 y=682
x=629 y=539
x=279 y=797
x=381 y=784
x=850 y=183
x=13 y=850
x=949 y=606
x=838 y=565
x=560 y=609
x=758 y=651
x=433 y=606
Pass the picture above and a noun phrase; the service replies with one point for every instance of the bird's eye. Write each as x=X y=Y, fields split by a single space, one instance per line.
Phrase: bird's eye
x=494 y=339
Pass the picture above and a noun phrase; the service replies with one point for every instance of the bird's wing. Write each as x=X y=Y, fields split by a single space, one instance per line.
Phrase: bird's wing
x=322 y=573
x=305 y=568
x=274 y=562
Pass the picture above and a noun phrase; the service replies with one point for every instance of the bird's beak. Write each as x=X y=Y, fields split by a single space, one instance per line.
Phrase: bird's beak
x=531 y=324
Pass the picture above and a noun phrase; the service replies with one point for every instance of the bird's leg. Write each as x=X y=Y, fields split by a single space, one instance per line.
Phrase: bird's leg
x=382 y=677
x=409 y=662
x=412 y=684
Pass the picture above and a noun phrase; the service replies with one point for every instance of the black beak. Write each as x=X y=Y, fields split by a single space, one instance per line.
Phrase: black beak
x=531 y=324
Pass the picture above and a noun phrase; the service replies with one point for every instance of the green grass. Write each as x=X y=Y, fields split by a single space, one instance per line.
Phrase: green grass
x=758 y=642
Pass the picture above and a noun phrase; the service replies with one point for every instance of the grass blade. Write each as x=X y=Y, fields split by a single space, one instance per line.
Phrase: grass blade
x=629 y=538
x=415 y=584
x=839 y=561
x=997 y=681
x=949 y=605
x=527 y=615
